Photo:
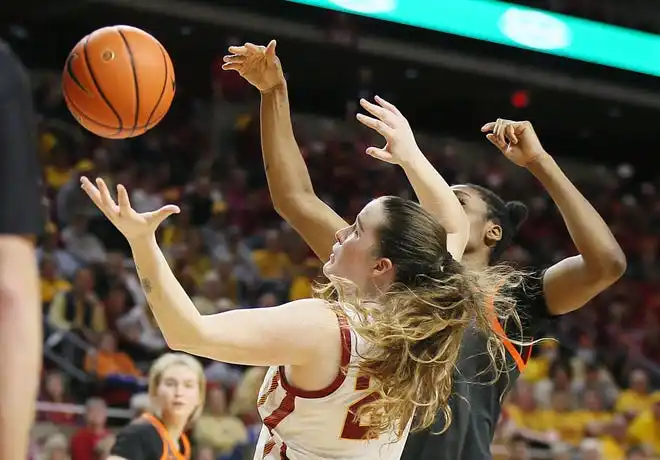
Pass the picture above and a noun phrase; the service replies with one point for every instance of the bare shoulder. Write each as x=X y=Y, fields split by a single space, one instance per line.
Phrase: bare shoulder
x=316 y=311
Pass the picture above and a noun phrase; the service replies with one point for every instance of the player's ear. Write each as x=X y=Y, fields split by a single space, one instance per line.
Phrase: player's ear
x=382 y=265
x=493 y=235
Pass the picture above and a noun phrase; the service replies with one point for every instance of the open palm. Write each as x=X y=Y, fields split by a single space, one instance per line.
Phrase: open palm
x=259 y=65
x=131 y=224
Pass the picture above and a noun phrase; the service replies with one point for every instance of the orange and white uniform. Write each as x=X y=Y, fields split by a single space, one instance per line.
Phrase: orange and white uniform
x=315 y=425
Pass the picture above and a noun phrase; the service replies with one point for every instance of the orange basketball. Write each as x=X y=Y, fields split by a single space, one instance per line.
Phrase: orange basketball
x=118 y=82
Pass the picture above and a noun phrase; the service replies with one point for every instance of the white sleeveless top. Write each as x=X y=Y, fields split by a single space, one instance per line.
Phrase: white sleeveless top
x=320 y=425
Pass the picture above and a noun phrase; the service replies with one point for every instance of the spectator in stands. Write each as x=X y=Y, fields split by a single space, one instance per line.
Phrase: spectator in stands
x=216 y=427
x=56 y=448
x=590 y=449
x=139 y=328
x=234 y=278
x=146 y=195
x=103 y=447
x=527 y=420
x=51 y=281
x=65 y=262
x=84 y=441
x=595 y=379
x=69 y=200
x=614 y=439
x=175 y=233
x=116 y=273
x=81 y=243
x=194 y=256
x=645 y=428
x=636 y=398
x=637 y=453
x=561 y=451
x=519 y=449
x=139 y=404
x=59 y=169
x=107 y=361
x=210 y=299
x=204 y=453
x=539 y=365
x=79 y=309
x=54 y=390
x=558 y=379
x=273 y=264
x=301 y=284
x=563 y=420
x=246 y=393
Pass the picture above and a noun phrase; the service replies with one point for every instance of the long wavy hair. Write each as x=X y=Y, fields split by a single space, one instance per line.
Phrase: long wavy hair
x=415 y=329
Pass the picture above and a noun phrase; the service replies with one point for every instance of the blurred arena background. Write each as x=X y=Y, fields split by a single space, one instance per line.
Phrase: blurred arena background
x=588 y=396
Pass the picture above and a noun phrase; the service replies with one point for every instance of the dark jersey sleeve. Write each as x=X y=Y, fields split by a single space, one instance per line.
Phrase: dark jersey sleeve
x=138 y=441
x=21 y=211
x=531 y=307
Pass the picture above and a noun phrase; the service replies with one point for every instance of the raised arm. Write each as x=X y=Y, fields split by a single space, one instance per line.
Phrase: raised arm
x=430 y=187
x=572 y=282
x=288 y=179
x=258 y=337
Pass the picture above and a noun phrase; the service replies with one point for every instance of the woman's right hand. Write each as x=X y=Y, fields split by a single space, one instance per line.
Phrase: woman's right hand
x=259 y=65
x=401 y=147
x=133 y=225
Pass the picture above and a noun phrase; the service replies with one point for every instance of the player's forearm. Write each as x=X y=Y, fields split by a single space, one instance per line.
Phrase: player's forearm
x=176 y=315
x=20 y=344
x=588 y=230
x=286 y=170
x=435 y=195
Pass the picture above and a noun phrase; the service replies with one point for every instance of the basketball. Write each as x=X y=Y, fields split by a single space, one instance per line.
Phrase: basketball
x=118 y=82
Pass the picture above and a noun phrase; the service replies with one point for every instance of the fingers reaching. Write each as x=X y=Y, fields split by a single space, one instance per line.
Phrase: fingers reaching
x=380 y=154
x=503 y=131
x=255 y=48
x=488 y=127
x=100 y=195
x=240 y=50
x=382 y=128
x=510 y=132
x=122 y=198
x=504 y=146
x=106 y=198
x=91 y=191
x=499 y=129
x=388 y=105
x=158 y=216
x=270 y=49
x=381 y=113
x=233 y=62
x=235 y=58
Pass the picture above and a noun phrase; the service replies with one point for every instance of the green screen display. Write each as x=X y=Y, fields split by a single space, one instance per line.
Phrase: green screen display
x=517 y=26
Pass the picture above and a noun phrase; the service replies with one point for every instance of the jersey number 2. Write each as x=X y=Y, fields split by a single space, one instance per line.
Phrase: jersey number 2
x=352 y=427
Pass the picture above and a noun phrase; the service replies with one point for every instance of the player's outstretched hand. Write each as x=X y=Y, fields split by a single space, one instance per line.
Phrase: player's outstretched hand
x=131 y=224
x=515 y=139
x=393 y=126
x=259 y=65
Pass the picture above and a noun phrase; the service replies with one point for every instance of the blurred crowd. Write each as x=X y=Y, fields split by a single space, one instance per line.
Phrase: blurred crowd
x=588 y=394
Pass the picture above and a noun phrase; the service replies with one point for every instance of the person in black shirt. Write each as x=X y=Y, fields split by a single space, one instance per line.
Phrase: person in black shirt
x=21 y=219
x=176 y=388
x=554 y=291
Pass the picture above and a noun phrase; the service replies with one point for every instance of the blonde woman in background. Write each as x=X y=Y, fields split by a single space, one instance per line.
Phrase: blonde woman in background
x=176 y=390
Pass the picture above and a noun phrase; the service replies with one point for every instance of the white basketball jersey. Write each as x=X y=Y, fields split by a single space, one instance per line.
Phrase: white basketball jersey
x=315 y=425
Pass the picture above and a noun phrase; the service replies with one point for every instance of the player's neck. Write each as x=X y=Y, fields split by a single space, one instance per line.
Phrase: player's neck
x=175 y=428
x=476 y=260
